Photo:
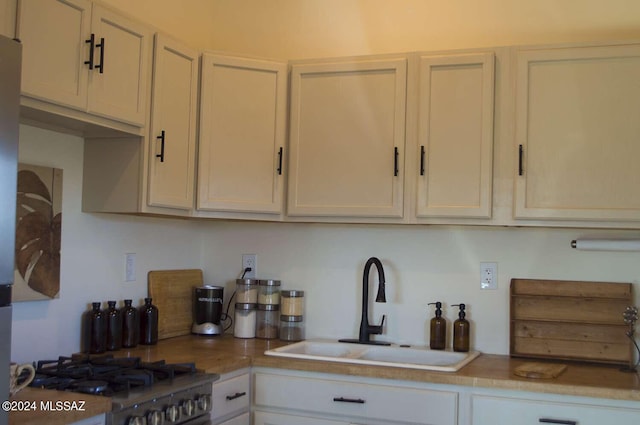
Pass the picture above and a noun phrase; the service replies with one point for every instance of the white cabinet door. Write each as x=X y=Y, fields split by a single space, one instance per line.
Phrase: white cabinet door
x=173 y=125
x=504 y=411
x=8 y=18
x=455 y=130
x=244 y=419
x=347 y=137
x=53 y=35
x=119 y=89
x=85 y=58
x=577 y=133
x=354 y=399
x=241 y=156
x=230 y=397
x=265 y=418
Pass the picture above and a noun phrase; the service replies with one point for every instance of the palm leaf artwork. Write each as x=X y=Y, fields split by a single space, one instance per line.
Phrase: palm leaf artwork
x=38 y=233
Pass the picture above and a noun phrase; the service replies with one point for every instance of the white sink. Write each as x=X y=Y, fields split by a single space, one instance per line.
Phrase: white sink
x=394 y=355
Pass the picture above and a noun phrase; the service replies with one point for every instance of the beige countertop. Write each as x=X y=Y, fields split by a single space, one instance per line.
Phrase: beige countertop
x=224 y=354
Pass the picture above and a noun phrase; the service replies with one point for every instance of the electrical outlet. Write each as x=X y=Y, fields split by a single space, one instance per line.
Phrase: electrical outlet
x=250 y=261
x=130 y=267
x=488 y=275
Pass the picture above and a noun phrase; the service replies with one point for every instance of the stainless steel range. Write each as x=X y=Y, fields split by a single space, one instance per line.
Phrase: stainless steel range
x=142 y=393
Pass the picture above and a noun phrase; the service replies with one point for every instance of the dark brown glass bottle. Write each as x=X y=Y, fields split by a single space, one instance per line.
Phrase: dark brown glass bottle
x=461 y=331
x=438 y=329
x=130 y=325
x=148 y=323
x=114 y=327
x=97 y=330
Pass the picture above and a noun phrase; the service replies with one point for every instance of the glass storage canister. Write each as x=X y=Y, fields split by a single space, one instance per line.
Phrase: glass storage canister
x=268 y=291
x=291 y=328
x=244 y=325
x=267 y=321
x=292 y=302
x=246 y=291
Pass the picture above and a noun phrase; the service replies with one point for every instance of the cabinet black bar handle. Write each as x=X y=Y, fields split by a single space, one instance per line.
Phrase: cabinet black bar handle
x=280 y=162
x=520 y=153
x=395 y=162
x=422 y=160
x=101 y=46
x=161 y=154
x=557 y=421
x=349 y=400
x=236 y=395
x=91 y=40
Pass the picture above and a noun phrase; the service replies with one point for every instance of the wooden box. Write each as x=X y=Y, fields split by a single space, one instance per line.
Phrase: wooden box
x=570 y=320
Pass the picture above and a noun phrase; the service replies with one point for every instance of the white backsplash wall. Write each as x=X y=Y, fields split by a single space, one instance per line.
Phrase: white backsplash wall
x=92 y=254
x=422 y=264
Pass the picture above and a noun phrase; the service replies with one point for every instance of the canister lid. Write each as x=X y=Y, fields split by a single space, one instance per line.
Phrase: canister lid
x=247 y=281
x=269 y=307
x=292 y=293
x=245 y=306
x=284 y=318
x=269 y=282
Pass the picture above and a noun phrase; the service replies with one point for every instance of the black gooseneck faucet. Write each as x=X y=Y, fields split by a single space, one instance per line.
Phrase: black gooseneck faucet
x=365 y=328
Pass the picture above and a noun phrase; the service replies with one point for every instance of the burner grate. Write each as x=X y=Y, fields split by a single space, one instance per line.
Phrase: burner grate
x=105 y=374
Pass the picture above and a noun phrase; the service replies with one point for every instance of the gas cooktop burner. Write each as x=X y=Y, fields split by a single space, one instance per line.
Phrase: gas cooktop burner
x=105 y=374
x=137 y=389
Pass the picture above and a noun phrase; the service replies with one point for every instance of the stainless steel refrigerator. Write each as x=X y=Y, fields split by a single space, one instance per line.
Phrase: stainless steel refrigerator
x=10 y=59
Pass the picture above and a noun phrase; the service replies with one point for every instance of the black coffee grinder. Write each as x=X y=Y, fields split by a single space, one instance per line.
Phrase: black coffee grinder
x=207 y=310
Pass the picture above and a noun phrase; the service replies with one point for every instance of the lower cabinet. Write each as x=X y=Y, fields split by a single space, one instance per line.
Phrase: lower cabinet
x=286 y=397
x=498 y=410
x=231 y=399
x=243 y=419
x=264 y=418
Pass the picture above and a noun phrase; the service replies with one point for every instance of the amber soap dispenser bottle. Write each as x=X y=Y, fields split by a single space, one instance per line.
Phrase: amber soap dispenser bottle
x=461 y=331
x=438 y=331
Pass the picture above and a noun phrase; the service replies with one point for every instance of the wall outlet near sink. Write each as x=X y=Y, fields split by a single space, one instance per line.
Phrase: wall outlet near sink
x=250 y=261
x=488 y=275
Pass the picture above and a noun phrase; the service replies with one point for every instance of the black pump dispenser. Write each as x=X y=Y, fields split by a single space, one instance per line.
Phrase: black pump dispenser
x=461 y=331
x=438 y=329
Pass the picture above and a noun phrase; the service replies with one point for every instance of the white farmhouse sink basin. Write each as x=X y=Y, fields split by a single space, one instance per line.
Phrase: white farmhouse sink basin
x=394 y=355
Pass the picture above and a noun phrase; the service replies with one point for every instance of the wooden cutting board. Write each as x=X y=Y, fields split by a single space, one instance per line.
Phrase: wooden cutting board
x=540 y=370
x=570 y=320
x=172 y=293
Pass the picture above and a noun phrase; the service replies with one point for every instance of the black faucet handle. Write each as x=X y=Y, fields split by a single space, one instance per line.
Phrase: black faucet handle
x=377 y=330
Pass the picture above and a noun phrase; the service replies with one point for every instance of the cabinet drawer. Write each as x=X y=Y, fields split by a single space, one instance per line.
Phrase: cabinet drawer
x=244 y=419
x=230 y=396
x=381 y=402
x=507 y=411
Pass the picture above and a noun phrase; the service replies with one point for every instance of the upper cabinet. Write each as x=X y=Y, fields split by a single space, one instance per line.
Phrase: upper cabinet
x=154 y=173
x=347 y=138
x=173 y=125
x=82 y=56
x=578 y=134
x=8 y=18
x=455 y=136
x=242 y=149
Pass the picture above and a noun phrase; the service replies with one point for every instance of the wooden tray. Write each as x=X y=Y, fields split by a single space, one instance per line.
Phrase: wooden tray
x=540 y=370
x=172 y=293
x=570 y=320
